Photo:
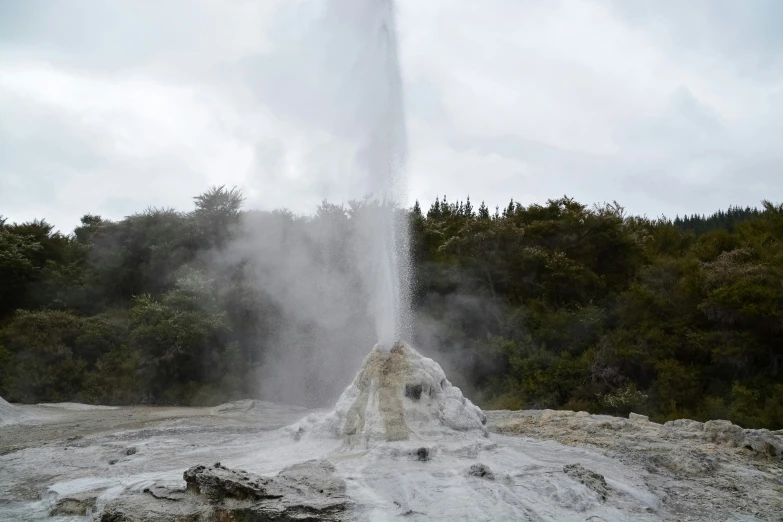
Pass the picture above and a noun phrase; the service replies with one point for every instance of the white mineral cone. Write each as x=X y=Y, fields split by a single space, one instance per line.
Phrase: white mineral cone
x=397 y=395
x=8 y=412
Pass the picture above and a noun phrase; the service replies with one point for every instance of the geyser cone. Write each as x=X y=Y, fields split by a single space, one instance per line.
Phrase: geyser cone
x=8 y=412
x=398 y=395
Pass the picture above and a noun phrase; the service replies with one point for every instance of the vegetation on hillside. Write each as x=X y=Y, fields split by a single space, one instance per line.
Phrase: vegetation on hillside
x=557 y=305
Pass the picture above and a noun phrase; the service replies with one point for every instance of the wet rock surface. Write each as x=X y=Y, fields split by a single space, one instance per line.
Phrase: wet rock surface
x=47 y=424
x=74 y=505
x=681 y=470
x=700 y=470
x=304 y=491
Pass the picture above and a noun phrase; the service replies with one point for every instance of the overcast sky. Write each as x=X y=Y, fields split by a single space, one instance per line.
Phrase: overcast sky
x=665 y=106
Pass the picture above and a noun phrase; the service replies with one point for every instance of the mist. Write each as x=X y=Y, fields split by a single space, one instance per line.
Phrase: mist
x=340 y=278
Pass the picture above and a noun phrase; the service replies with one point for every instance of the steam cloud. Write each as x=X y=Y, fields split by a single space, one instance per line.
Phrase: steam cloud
x=341 y=279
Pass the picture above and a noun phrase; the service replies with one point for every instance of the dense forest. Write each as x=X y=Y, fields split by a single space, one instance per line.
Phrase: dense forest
x=554 y=305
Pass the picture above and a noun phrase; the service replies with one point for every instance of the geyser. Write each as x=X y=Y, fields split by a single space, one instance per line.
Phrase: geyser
x=382 y=153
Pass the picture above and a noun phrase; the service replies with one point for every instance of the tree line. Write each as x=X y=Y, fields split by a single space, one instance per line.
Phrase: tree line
x=553 y=305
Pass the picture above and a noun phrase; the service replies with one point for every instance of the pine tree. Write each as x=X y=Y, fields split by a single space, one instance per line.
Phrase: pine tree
x=483 y=211
x=445 y=209
x=468 y=208
x=434 y=211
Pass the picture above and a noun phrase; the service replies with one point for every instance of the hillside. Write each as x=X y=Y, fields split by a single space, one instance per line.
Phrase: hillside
x=558 y=305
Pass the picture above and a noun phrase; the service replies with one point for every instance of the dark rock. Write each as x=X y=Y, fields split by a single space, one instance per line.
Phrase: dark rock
x=592 y=480
x=113 y=461
x=305 y=491
x=130 y=451
x=413 y=391
x=423 y=454
x=481 y=471
x=218 y=483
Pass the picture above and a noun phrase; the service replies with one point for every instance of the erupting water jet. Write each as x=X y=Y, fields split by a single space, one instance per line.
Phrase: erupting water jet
x=383 y=155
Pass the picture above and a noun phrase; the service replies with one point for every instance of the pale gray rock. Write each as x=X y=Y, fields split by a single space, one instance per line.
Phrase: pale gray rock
x=724 y=432
x=683 y=429
x=711 y=470
x=764 y=444
x=74 y=505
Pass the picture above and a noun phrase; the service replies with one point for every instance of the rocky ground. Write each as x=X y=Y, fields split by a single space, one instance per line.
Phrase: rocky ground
x=73 y=462
x=46 y=424
x=68 y=460
x=700 y=471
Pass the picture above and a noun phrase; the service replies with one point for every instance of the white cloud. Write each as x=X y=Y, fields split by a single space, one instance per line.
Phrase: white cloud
x=116 y=108
x=605 y=98
x=151 y=142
